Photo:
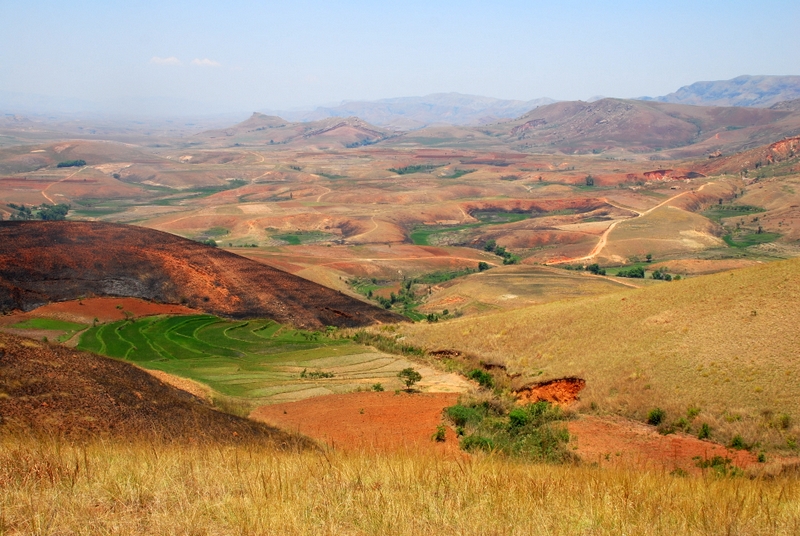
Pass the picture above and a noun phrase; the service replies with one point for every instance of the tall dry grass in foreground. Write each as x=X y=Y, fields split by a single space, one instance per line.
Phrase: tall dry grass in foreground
x=106 y=488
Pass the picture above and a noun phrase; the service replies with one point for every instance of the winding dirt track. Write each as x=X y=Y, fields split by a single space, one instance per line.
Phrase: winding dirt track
x=601 y=244
x=60 y=180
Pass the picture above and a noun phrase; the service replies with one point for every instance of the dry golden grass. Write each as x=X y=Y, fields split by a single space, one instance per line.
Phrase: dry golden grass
x=512 y=287
x=726 y=343
x=106 y=488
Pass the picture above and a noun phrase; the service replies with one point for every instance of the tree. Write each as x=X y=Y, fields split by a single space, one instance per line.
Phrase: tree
x=409 y=376
x=483 y=266
x=589 y=180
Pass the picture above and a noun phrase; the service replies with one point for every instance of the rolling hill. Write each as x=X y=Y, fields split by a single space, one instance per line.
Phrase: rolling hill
x=756 y=91
x=263 y=129
x=725 y=344
x=42 y=262
x=414 y=112
x=51 y=390
x=638 y=126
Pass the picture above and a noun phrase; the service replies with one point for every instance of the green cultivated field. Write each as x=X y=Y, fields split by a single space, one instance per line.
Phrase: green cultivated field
x=68 y=328
x=256 y=362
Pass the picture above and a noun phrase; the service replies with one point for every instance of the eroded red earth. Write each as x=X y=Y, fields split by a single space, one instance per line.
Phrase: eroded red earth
x=367 y=421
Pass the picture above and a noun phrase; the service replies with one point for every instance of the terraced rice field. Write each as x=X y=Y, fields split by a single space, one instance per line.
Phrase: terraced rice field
x=257 y=361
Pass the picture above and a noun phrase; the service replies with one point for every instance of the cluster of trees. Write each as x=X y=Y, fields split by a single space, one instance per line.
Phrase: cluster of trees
x=72 y=163
x=508 y=257
x=43 y=212
x=593 y=268
x=637 y=272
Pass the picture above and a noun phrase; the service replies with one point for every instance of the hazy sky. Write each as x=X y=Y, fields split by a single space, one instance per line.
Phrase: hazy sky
x=241 y=56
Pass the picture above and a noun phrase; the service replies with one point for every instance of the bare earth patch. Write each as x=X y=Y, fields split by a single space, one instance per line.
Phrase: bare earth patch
x=367 y=421
x=618 y=441
x=103 y=309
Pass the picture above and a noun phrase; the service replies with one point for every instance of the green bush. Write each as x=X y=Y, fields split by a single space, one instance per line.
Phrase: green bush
x=72 y=163
x=483 y=378
x=474 y=442
x=656 y=416
x=463 y=415
x=525 y=431
x=705 y=431
x=738 y=443
x=440 y=434
x=377 y=387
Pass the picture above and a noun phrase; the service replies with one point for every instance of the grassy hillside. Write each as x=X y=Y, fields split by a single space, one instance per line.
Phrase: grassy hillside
x=726 y=344
x=109 y=488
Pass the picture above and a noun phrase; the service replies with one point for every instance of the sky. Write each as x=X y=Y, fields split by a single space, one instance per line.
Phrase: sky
x=233 y=56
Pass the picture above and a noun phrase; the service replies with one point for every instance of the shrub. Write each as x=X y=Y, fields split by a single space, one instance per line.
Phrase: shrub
x=518 y=417
x=463 y=415
x=409 y=376
x=637 y=272
x=595 y=269
x=483 y=378
x=377 y=387
x=71 y=163
x=483 y=266
x=705 y=431
x=440 y=434
x=656 y=416
x=475 y=442
x=738 y=443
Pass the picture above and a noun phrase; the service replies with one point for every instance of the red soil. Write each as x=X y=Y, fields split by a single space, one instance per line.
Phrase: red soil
x=44 y=262
x=103 y=309
x=617 y=441
x=374 y=421
x=561 y=391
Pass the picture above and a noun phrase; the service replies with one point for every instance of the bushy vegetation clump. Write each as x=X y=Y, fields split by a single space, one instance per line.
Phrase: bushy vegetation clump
x=71 y=163
x=637 y=272
x=532 y=431
x=43 y=212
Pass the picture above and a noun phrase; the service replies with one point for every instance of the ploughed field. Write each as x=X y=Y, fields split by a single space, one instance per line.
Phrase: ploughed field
x=253 y=362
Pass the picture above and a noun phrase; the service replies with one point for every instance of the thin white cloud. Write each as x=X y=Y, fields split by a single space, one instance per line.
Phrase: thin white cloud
x=205 y=62
x=172 y=60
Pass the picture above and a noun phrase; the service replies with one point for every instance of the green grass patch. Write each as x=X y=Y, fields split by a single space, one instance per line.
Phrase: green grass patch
x=306 y=237
x=248 y=363
x=742 y=240
x=69 y=328
x=488 y=217
x=719 y=212
x=48 y=323
x=417 y=168
x=459 y=173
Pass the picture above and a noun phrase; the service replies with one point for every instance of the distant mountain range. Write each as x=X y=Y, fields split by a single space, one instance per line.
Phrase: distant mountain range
x=749 y=91
x=405 y=113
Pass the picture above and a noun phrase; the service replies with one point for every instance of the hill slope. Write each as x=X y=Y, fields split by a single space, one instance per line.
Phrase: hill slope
x=53 y=390
x=412 y=112
x=725 y=343
x=41 y=262
x=757 y=91
x=638 y=126
x=263 y=129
